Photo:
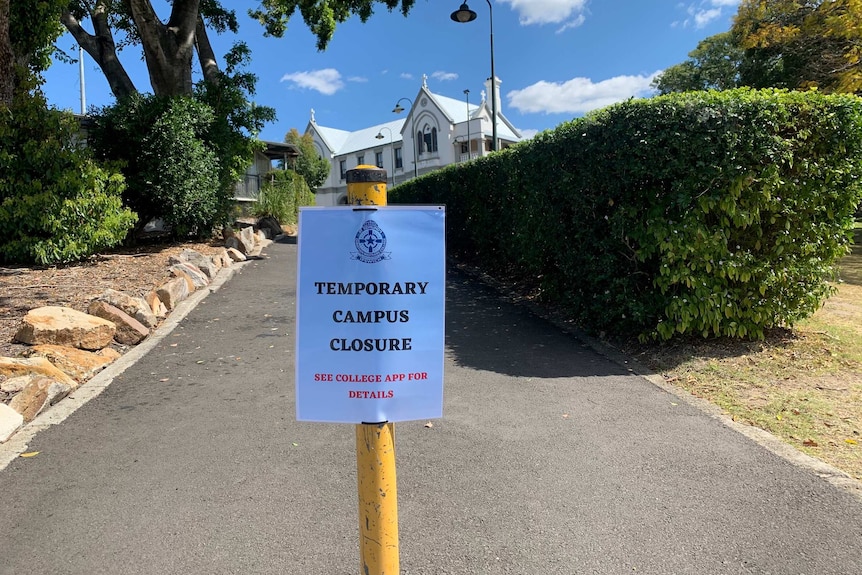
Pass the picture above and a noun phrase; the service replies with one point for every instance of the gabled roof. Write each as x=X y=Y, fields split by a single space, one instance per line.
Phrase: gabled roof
x=365 y=138
x=455 y=109
x=332 y=137
x=342 y=142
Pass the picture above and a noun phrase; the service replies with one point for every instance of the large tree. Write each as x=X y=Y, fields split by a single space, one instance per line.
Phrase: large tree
x=310 y=165
x=800 y=44
x=793 y=44
x=27 y=34
x=7 y=67
x=713 y=65
x=169 y=44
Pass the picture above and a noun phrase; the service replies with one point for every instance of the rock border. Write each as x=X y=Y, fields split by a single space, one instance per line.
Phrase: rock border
x=68 y=348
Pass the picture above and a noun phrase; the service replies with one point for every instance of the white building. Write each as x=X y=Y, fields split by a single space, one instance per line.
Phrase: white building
x=442 y=130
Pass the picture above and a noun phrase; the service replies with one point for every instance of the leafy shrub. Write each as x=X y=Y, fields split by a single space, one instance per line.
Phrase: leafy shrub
x=56 y=204
x=172 y=172
x=711 y=213
x=282 y=195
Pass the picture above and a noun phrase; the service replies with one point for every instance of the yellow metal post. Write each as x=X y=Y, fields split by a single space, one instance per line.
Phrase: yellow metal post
x=375 y=442
x=378 y=499
x=366 y=186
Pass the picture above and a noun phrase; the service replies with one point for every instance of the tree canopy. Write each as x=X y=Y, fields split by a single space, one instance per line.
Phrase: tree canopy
x=168 y=44
x=714 y=64
x=793 y=44
x=313 y=168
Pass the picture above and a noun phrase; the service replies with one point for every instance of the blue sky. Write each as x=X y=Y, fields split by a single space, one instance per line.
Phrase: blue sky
x=556 y=59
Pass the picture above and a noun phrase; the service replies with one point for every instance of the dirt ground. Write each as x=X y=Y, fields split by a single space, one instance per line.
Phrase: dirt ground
x=135 y=272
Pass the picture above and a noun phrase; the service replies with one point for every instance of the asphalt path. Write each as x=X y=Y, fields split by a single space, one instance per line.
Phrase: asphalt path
x=550 y=458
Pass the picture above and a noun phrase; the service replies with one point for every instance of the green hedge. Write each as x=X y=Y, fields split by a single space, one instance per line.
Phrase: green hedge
x=56 y=204
x=712 y=213
x=170 y=165
x=282 y=195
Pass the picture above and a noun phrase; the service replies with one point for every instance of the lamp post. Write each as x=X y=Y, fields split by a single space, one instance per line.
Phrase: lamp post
x=379 y=136
x=469 y=143
x=397 y=110
x=463 y=15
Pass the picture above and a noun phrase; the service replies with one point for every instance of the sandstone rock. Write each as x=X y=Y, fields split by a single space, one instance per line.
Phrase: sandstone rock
x=156 y=305
x=200 y=261
x=180 y=274
x=78 y=364
x=269 y=226
x=10 y=422
x=222 y=259
x=109 y=353
x=129 y=330
x=246 y=240
x=16 y=384
x=65 y=326
x=172 y=292
x=199 y=279
x=236 y=255
x=18 y=366
x=233 y=243
x=134 y=306
x=38 y=396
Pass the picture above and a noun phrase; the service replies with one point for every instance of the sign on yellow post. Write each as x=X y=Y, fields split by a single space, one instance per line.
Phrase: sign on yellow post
x=375 y=444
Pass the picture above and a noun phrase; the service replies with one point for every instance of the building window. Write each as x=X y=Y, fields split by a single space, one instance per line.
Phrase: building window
x=378 y=159
x=360 y=160
x=428 y=141
x=343 y=166
x=464 y=149
x=399 y=160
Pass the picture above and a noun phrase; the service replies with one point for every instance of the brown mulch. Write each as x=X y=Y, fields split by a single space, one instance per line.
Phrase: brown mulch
x=134 y=271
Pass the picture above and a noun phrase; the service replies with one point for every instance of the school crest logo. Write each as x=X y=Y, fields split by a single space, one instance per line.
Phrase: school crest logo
x=370 y=242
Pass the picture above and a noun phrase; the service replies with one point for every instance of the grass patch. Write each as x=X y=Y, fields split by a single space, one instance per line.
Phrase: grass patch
x=803 y=385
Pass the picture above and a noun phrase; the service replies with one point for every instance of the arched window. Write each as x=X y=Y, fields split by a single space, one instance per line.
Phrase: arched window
x=427 y=139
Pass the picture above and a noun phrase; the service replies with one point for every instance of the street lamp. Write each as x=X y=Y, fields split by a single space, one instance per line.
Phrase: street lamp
x=469 y=143
x=397 y=110
x=379 y=136
x=463 y=15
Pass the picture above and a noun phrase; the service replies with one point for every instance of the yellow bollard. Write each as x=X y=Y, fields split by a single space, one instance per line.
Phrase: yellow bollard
x=378 y=499
x=366 y=186
x=375 y=442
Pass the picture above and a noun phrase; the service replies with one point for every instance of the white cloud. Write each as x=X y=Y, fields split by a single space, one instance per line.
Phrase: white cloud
x=406 y=75
x=444 y=76
x=358 y=79
x=704 y=12
x=704 y=17
x=326 y=81
x=528 y=133
x=578 y=95
x=549 y=12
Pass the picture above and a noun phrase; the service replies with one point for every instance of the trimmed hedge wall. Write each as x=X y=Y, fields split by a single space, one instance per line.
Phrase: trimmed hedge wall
x=712 y=213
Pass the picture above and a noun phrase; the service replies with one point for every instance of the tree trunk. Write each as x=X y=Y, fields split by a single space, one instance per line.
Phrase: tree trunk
x=168 y=48
x=100 y=46
x=7 y=67
x=206 y=55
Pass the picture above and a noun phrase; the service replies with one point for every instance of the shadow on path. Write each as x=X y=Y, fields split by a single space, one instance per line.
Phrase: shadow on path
x=487 y=333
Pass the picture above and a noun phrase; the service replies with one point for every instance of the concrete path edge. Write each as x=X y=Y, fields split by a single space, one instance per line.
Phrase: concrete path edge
x=19 y=442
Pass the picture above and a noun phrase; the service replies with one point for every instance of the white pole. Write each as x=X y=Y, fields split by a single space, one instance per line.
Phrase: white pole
x=81 y=73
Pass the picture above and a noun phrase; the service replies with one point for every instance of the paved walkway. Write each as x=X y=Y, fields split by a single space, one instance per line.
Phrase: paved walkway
x=550 y=459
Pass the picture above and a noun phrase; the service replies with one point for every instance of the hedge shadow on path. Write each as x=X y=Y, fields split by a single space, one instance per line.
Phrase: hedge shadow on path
x=486 y=332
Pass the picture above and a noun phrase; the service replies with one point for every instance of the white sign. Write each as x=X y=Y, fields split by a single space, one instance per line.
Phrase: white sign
x=370 y=314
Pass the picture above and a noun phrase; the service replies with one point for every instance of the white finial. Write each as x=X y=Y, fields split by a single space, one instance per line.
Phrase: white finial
x=425 y=81
x=483 y=96
x=313 y=121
